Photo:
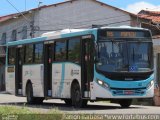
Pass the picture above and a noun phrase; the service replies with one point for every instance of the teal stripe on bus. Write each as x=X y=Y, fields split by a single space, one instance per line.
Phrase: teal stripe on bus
x=26 y=41
x=62 y=79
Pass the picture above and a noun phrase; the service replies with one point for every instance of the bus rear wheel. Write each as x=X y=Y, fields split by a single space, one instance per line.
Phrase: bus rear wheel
x=125 y=103
x=76 y=96
x=39 y=100
x=30 y=98
x=29 y=93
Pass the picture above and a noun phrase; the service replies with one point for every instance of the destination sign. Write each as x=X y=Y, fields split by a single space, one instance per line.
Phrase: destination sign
x=121 y=34
x=124 y=34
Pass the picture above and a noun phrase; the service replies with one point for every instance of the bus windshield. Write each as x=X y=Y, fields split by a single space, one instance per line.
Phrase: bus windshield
x=124 y=55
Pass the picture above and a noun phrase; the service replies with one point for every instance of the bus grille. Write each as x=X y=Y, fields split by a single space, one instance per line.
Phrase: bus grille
x=128 y=92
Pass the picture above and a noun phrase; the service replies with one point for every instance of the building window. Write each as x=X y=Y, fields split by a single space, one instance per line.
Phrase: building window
x=14 y=35
x=60 y=51
x=38 y=53
x=74 y=50
x=24 y=32
x=4 y=37
x=29 y=54
x=11 y=56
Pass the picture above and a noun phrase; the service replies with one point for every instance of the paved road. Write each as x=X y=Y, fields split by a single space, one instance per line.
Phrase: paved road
x=96 y=108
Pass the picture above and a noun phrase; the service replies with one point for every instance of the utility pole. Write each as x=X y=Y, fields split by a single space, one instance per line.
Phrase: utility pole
x=32 y=26
x=32 y=29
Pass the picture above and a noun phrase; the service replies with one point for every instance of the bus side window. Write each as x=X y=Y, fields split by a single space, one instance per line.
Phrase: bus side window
x=11 y=56
x=29 y=54
x=74 y=50
x=38 y=53
x=60 y=50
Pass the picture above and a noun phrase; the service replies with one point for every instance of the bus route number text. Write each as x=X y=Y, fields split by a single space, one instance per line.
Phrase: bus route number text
x=121 y=34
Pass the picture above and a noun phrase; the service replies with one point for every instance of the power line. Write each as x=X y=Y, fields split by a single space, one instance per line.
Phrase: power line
x=75 y=23
x=19 y=11
x=93 y=20
x=31 y=22
x=85 y=25
x=82 y=23
x=60 y=28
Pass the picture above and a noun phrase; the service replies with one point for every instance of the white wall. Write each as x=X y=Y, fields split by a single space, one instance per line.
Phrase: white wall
x=78 y=14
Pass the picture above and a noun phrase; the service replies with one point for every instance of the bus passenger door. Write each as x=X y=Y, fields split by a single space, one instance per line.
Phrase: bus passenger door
x=48 y=48
x=18 y=70
x=87 y=65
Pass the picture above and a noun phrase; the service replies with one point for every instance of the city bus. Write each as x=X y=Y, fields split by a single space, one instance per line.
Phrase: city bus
x=81 y=65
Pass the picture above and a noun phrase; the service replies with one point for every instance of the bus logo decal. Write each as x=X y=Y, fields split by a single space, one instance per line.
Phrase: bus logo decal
x=28 y=73
x=74 y=72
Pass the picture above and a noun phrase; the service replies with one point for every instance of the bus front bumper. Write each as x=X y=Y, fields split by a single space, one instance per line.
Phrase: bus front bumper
x=98 y=91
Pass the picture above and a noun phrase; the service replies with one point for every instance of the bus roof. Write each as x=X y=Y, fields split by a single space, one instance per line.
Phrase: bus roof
x=66 y=33
x=53 y=35
x=26 y=41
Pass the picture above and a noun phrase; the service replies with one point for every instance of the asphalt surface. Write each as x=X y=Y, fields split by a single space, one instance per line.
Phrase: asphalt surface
x=92 y=108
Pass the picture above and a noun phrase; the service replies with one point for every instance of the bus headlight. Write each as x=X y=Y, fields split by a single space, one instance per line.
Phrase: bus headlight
x=100 y=82
x=103 y=84
x=150 y=84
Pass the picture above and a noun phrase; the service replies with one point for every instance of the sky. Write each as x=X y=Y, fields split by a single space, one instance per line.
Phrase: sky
x=133 y=6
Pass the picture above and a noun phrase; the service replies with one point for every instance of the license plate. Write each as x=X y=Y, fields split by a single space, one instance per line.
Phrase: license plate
x=128 y=92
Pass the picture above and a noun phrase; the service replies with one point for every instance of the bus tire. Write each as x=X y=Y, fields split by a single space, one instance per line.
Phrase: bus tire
x=39 y=100
x=125 y=103
x=76 y=96
x=68 y=102
x=29 y=94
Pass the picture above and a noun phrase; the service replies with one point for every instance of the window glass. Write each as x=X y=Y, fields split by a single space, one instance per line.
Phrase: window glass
x=24 y=32
x=14 y=35
x=11 y=57
x=38 y=53
x=74 y=50
x=29 y=54
x=60 y=51
x=3 y=39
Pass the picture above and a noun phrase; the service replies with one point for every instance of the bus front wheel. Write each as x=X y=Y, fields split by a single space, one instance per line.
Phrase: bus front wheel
x=125 y=103
x=76 y=96
x=68 y=102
